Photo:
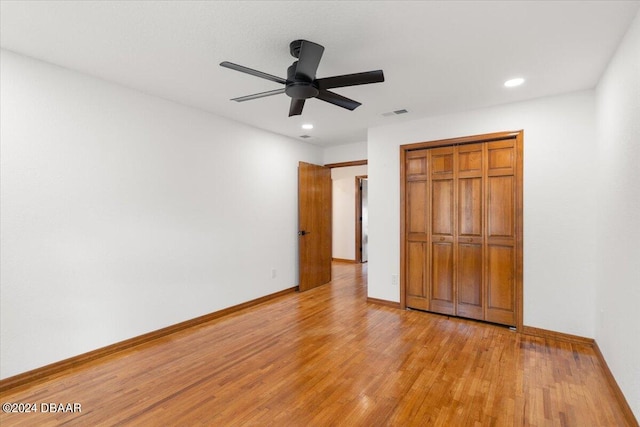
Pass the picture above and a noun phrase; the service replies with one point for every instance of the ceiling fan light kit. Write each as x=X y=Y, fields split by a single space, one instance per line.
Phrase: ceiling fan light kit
x=301 y=83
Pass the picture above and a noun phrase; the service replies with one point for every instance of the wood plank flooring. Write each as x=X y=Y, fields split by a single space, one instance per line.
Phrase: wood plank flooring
x=327 y=357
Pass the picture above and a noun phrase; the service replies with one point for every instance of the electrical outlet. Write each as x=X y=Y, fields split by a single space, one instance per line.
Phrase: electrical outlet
x=273 y=273
x=395 y=280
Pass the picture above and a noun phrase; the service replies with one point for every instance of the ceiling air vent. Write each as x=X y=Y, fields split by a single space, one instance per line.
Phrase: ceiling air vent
x=305 y=136
x=395 y=113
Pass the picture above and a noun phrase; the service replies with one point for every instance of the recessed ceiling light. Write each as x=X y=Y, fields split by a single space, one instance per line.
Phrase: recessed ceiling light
x=307 y=126
x=514 y=82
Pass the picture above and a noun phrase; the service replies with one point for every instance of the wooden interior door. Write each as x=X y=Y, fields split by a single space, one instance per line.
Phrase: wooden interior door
x=462 y=228
x=314 y=221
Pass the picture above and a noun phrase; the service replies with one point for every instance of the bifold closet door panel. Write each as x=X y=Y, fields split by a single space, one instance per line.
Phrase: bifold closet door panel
x=470 y=296
x=442 y=227
x=500 y=259
x=417 y=228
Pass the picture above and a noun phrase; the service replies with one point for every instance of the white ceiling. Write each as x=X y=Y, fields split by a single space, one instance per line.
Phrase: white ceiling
x=437 y=56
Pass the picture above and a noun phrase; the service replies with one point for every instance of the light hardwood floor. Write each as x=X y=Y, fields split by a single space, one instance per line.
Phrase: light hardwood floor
x=327 y=357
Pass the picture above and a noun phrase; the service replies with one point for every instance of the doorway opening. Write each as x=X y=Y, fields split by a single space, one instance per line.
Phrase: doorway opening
x=347 y=211
x=362 y=219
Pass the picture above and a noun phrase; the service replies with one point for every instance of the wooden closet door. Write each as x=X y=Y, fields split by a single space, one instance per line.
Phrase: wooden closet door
x=442 y=230
x=462 y=238
x=500 y=259
x=469 y=242
x=417 y=226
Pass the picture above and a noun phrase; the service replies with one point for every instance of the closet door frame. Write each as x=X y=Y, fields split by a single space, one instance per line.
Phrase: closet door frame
x=518 y=136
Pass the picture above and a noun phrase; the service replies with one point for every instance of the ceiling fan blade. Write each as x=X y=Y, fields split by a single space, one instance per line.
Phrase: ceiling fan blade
x=339 y=100
x=295 y=109
x=253 y=72
x=351 y=79
x=258 y=95
x=308 y=60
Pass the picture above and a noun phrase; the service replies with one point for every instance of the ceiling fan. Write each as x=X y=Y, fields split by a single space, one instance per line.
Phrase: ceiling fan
x=301 y=83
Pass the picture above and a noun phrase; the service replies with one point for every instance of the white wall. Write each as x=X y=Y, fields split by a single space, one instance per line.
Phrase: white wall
x=345 y=153
x=123 y=213
x=618 y=284
x=559 y=202
x=344 y=210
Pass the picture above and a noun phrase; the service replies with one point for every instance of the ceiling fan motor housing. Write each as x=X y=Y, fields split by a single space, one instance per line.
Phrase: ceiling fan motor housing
x=294 y=48
x=298 y=88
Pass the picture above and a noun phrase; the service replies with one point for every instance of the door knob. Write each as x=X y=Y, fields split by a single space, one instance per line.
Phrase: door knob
x=303 y=232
